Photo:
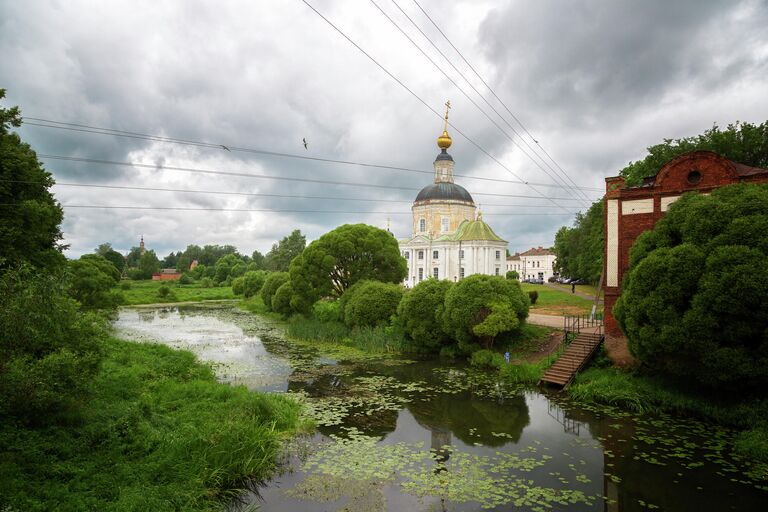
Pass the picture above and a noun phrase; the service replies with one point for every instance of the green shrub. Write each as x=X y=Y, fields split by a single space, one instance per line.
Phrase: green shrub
x=487 y=359
x=125 y=285
x=253 y=280
x=327 y=310
x=480 y=307
x=48 y=348
x=274 y=281
x=513 y=274
x=237 y=285
x=281 y=301
x=524 y=373
x=694 y=303
x=206 y=282
x=533 y=296
x=420 y=314
x=92 y=279
x=372 y=304
x=186 y=279
x=163 y=291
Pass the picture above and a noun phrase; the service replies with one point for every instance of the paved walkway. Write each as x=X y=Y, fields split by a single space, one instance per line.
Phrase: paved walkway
x=554 y=322
x=578 y=294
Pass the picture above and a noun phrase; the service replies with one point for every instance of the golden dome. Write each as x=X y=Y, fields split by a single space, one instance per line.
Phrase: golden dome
x=444 y=140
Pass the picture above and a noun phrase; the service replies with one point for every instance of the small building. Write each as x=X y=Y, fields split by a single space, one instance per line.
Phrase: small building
x=166 y=274
x=629 y=211
x=535 y=263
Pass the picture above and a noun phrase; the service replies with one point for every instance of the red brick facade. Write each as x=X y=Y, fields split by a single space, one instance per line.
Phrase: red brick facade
x=631 y=211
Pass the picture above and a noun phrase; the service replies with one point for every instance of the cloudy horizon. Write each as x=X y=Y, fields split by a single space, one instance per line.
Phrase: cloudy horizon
x=594 y=83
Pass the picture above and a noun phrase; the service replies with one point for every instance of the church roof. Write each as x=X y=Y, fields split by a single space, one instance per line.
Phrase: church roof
x=475 y=230
x=444 y=191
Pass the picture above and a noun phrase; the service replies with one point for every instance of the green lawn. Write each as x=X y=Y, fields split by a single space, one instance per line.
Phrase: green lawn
x=146 y=292
x=556 y=302
x=581 y=288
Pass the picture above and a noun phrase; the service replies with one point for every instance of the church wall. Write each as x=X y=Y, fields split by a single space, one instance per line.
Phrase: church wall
x=479 y=258
x=433 y=213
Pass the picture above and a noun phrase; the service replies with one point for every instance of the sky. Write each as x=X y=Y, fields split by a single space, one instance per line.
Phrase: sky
x=591 y=83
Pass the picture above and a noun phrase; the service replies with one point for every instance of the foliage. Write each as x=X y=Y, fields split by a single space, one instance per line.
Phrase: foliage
x=92 y=278
x=186 y=279
x=225 y=266
x=163 y=291
x=171 y=260
x=694 y=302
x=477 y=298
x=30 y=220
x=257 y=260
x=533 y=296
x=207 y=255
x=279 y=258
x=741 y=142
x=372 y=304
x=158 y=433
x=420 y=313
x=513 y=274
x=253 y=280
x=146 y=292
x=525 y=373
x=341 y=258
x=313 y=329
x=125 y=285
x=111 y=255
x=274 y=281
x=381 y=339
x=206 y=282
x=486 y=359
x=281 y=301
x=238 y=285
x=146 y=265
x=49 y=351
x=327 y=311
x=579 y=249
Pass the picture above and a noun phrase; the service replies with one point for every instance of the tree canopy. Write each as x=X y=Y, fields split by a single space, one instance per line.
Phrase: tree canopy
x=31 y=217
x=420 y=313
x=694 y=303
x=341 y=258
x=579 y=249
x=745 y=143
x=279 y=258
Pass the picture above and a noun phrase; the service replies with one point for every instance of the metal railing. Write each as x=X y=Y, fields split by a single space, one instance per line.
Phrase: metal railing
x=575 y=325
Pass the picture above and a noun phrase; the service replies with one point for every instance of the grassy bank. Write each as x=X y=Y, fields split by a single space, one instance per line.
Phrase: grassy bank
x=636 y=393
x=557 y=302
x=147 y=292
x=159 y=433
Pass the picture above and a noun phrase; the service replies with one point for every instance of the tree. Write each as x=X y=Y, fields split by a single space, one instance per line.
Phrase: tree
x=513 y=274
x=132 y=259
x=480 y=307
x=579 y=249
x=253 y=281
x=274 y=281
x=341 y=258
x=694 y=303
x=225 y=265
x=171 y=260
x=283 y=252
x=372 y=303
x=148 y=264
x=257 y=259
x=111 y=255
x=420 y=313
x=741 y=142
x=281 y=301
x=30 y=217
x=92 y=278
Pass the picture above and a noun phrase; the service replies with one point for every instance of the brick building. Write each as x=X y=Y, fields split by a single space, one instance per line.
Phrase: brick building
x=631 y=210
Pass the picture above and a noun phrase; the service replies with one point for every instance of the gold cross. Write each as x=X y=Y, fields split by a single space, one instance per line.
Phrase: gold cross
x=447 y=107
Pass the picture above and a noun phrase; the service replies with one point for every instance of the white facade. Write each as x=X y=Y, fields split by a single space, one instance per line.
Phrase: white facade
x=535 y=263
x=452 y=260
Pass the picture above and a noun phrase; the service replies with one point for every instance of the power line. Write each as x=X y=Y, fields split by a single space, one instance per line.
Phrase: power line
x=247 y=194
x=554 y=178
x=76 y=127
x=483 y=150
x=492 y=92
x=258 y=210
x=260 y=176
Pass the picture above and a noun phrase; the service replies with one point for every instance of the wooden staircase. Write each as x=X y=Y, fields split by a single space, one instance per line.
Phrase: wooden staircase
x=574 y=358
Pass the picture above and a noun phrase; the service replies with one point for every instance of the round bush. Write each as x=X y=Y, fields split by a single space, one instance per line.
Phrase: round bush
x=372 y=304
x=253 y=280
x=694 y=303
x=420 y=314
x=163 y=291
x=479 y=308
x=533 y=296
x=274 y=281
x=281 y=301
x=186 y=279
x=237 y=285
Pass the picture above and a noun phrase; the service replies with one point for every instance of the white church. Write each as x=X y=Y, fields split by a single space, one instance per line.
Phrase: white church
x=450 y=240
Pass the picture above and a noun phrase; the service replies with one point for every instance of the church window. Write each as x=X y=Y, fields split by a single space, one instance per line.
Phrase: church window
x=498 y=255
x=435 y=255
x=497 y=270
x=405 y=254
x=444 y=225
x=421 y=274
x=436 y=273
x=421 y=255
x=422 y=225
x=461 y=254
x=461 y=273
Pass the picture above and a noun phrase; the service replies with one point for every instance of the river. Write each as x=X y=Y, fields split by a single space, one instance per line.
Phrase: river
x=403 y=435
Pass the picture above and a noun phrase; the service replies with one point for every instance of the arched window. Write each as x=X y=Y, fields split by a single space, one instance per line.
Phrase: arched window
x=422 y=225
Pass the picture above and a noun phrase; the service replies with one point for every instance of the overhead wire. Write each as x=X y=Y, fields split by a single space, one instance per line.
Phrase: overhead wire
x=61 y=125
x=554 y=178
x=538 y=144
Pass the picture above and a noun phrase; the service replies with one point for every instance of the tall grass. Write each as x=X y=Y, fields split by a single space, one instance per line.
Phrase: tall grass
x=313 y=329
x=159 y=434
x=148 y=292
x=526 y=373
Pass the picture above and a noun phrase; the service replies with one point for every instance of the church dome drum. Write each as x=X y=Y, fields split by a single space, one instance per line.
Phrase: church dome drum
x=444 y=191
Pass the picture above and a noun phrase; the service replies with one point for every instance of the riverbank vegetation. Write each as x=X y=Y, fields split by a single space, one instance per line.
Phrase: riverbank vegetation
x=150 y=292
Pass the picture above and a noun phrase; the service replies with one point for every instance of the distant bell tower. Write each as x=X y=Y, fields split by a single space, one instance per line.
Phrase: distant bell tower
x=141 y=246
x=444 y=161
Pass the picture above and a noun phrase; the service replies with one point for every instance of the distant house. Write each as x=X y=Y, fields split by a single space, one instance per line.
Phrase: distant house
x=535 y=263
x=166 y=274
